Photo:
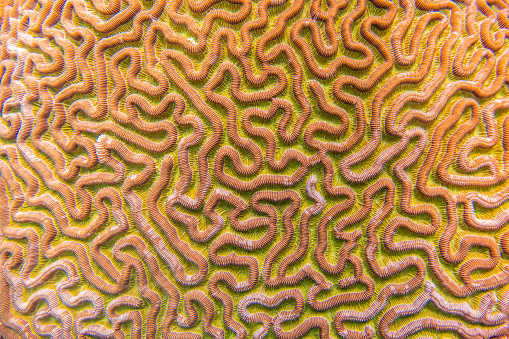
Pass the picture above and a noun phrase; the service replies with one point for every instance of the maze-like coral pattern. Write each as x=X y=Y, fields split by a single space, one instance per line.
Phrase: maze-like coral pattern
x=269 y=169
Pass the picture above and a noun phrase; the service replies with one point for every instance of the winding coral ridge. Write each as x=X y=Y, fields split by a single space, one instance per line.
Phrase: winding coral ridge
x=235 y=169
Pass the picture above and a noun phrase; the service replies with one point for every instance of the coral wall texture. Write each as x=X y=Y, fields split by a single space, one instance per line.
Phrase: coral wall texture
x=270 y=169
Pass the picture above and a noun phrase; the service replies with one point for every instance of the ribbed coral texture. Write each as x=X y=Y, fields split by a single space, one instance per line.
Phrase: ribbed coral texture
x=187 y=169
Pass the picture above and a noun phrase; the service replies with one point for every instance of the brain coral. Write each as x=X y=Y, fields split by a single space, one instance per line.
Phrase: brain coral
x=268 y=169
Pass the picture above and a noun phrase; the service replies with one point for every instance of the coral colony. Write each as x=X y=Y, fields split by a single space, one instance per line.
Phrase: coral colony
x=269 y=169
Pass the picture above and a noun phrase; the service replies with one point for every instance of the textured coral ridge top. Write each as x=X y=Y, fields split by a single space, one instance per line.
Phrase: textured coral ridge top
x=241 y=169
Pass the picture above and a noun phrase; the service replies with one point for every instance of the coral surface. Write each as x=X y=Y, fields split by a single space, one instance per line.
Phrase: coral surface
x=269 y=169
